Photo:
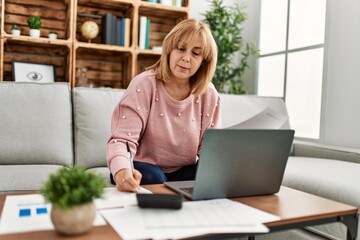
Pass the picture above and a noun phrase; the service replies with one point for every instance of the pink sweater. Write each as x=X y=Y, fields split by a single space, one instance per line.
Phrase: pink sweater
x=160 y=130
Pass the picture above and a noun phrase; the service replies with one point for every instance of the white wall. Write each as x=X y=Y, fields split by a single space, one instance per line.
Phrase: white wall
x=341 y=94
x=341 y=115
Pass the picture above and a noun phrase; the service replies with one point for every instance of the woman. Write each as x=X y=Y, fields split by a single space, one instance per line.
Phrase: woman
x=162 y=116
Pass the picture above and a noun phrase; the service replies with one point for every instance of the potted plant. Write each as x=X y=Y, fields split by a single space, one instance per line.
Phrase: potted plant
x=15 y=30
x=225 y=23
x=71 y=191
x=34 y=23
x=52 y=35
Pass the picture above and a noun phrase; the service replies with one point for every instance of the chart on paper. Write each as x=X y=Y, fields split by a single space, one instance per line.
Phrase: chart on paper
x=30 y=212
x=25 y=213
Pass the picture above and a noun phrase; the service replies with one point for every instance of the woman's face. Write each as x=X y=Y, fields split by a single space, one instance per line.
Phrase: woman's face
x=186 y=60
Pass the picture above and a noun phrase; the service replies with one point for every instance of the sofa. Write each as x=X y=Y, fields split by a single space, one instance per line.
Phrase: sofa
x=47 y=126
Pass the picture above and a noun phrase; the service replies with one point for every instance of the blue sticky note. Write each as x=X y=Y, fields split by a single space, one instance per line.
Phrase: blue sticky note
x=25 y=212
x=42 y=210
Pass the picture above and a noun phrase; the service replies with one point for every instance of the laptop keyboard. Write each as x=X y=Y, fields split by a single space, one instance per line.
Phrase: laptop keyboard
x=188 y=190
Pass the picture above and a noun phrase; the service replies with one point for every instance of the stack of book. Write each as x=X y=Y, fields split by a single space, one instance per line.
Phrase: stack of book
x=115 y=30
x=144 y=32
x=177 y=3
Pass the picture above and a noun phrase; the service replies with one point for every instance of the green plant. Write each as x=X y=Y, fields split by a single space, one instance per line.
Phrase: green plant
x=225 y=23
x=72 y=186
x=34 y=22
x=15 y=27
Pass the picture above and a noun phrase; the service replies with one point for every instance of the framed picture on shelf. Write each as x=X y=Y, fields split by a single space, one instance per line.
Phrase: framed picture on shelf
x=33 y=72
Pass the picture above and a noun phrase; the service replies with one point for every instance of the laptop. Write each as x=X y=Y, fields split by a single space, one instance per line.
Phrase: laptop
x=238 y=163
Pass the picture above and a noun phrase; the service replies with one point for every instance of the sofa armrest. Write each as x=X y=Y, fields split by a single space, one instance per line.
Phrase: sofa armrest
x=318 y=150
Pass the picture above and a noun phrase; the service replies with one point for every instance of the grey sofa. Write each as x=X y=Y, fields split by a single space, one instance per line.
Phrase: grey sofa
x=46 y=126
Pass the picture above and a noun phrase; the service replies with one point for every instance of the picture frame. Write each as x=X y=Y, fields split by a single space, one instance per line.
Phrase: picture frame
x=33 y=72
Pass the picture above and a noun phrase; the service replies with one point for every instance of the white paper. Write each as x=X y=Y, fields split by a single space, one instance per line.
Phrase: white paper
x=267 y=118
x=112 y=198
x=195 y=218
x=29 y=212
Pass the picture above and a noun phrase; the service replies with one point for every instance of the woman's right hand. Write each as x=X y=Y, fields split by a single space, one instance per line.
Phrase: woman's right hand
x=128 y=180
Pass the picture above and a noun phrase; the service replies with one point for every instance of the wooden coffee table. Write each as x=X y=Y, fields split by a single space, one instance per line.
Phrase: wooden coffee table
x=296 y=209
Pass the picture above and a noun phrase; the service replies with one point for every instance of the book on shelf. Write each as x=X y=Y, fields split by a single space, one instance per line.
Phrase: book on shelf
x=147 y=35
x=113 y=33
x=127 y=32
x=122 y=32
x=157 y=48
x=118 y=32
x=166 y=2
x=115 y=30
x=177 y=3
x=107 y=28
x=142 y=32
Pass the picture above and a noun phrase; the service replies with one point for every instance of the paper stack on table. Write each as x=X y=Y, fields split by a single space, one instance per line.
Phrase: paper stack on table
x=112 y=198
x=194 y=219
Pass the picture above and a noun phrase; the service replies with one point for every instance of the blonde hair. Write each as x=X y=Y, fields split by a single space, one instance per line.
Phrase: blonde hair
x=182 y=33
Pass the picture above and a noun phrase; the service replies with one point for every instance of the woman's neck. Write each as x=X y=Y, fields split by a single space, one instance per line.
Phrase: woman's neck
x=178 y=90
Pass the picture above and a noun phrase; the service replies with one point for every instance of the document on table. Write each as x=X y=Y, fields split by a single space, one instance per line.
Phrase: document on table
x=112 y=198
x=195 y=218
x=267 y=118
x=30 y=212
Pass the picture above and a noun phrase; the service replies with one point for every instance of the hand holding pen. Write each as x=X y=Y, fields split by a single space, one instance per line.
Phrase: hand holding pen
x=128 y=180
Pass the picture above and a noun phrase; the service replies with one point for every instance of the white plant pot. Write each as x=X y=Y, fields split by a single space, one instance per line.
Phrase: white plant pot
x=74 y=221
x=15 y=32
x=35 y=33
x=52 y=35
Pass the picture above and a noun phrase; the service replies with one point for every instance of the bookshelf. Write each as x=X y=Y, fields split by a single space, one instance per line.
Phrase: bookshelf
x=107 y=65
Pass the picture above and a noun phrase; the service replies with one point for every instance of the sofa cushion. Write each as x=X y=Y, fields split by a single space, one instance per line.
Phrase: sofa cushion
x=104 y=171
x=93 y=110
x=25 y=177
x=293 y=234
x=36 y=124
x=238 y=108
x=332 y=179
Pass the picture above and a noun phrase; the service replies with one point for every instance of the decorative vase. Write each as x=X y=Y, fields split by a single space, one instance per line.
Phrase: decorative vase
x=15 y=32
x=35 y=33
x=52 y=36
x=73 y=221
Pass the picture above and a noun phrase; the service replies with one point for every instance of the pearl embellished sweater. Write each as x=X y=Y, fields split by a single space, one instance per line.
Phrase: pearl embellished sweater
x=159 y=129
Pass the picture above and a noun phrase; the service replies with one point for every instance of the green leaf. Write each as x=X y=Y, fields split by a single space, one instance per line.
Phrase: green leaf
x=226 y=25
x=71 y=186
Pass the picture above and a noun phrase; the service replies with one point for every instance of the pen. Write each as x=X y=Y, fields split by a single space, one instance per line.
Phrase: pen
x=130 y=157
